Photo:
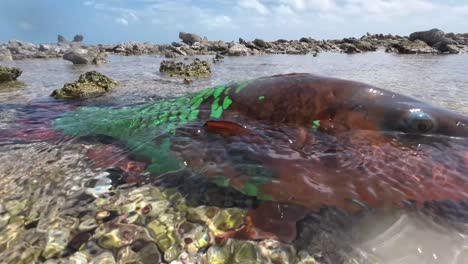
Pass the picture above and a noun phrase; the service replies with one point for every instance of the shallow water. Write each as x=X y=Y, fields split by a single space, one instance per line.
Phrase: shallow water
x=36 y=170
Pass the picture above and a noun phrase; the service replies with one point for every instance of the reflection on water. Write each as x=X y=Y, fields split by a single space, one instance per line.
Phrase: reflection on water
x=39 y=178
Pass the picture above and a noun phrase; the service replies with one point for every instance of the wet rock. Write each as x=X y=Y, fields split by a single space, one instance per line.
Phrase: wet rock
x=61 y=39
x=135 y=48
x=235 y=252
x=365 y=46
x=431 y=37
x=85 y=56
x=456 y=49
x=78 y=38
x=101 y=58
x=413 y=47
x=238 y=50
x=104 y=258
x=9 y=74
x=219 y=221
x=163 y=231
x=197 y=68
x=189 y=38
x=260 y=43
x=349 y=48
x=277 y=252
x=149 y=254
x=5 y=54
x=57 y=240
x=307 y=40
x=90 y=84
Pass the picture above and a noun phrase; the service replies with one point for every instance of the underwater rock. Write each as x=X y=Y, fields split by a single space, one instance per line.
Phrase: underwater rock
x=57 y=240
x=9 y=74
x=235 y=252
x=197 y=68
x=90 y=84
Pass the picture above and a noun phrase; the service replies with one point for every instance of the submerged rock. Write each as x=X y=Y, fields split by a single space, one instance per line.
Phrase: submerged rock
x=197 y=68
x=90 y=84
x=9 y=74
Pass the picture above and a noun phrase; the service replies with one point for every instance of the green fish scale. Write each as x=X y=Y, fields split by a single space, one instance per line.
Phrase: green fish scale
x=140 y=125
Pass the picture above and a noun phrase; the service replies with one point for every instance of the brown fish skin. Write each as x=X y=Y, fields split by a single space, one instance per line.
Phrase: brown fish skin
x=389 y=148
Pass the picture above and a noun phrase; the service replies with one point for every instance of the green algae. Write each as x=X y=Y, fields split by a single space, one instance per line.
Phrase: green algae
x=90 y=84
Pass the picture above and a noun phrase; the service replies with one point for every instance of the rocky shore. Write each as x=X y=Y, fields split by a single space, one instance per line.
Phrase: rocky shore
x=433 y=41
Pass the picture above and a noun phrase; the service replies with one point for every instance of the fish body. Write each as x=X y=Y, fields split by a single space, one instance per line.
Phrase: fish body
x=297 y=138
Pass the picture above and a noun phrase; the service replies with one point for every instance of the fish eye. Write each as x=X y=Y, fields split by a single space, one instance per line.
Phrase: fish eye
x=418 y=121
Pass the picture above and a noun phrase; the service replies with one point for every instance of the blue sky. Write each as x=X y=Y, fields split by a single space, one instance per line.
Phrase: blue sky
x=113 y=21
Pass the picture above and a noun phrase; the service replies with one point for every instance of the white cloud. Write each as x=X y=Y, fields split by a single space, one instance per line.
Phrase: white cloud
x=24 y=25
x=254 y=5
x=122 y=21
x=88 y=3
x=272 y=19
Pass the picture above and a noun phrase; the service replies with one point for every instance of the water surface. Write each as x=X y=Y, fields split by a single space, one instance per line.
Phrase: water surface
x=44 y=171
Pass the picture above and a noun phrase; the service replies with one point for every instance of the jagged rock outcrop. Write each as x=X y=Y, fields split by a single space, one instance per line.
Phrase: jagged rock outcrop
x=9 y=74
x=90 y=84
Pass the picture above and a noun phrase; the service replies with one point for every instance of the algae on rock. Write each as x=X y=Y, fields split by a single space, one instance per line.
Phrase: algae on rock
x=198 y=68
x=9 y=74
x=90 y=84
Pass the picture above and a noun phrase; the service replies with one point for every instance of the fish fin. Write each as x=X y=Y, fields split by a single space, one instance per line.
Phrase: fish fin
x=227 y=128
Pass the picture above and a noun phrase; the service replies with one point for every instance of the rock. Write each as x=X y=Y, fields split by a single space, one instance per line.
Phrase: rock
x=90 y=84
x=86 y=56
x=238 y=50
x=78 y=38
x=456 y=49
x=431 y=37
x=79 y=56
x=241 y=41
x=188 y=80
x=134 y=48
x=260 y=43
x=5 y=54
x=101 y=58
x=61 y=39
x=170 y=54
x=9 y=74
x=443 y=44
x=197 y=68
x=189 y=38
x=349 y=48
x=413 y=47
x=304 y=39
x=57 y=240
x=16 y=46
x=365 y=46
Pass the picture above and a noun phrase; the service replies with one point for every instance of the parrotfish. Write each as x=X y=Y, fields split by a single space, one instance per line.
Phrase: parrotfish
x=296 y=139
